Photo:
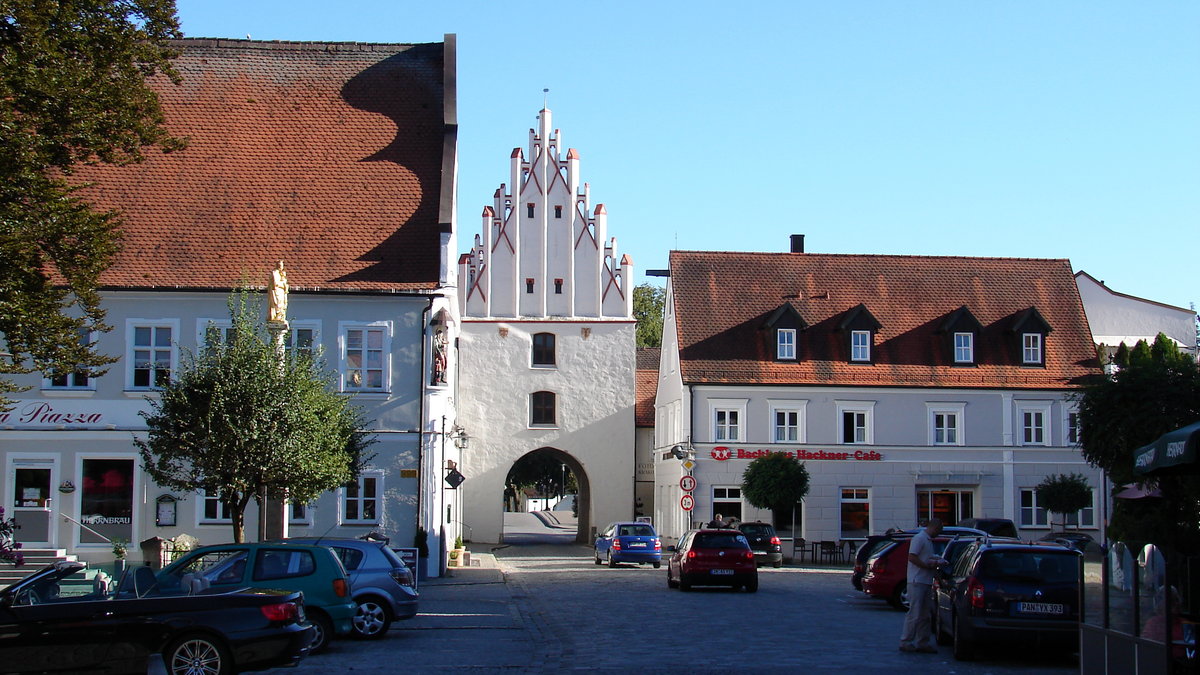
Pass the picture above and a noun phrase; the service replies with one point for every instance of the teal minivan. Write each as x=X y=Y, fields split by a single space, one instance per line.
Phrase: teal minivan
x=315 y=570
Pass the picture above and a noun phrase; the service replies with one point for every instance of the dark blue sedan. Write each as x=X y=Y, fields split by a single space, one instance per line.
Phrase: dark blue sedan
x=629 y=542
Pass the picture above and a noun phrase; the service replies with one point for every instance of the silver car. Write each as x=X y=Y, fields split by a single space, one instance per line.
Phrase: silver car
x=381 y=584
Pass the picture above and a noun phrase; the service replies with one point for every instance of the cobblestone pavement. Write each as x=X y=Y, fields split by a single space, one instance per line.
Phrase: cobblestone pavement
x=548 y=608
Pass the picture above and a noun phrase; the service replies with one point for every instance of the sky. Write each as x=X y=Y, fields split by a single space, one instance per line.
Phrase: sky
x=1066 y=129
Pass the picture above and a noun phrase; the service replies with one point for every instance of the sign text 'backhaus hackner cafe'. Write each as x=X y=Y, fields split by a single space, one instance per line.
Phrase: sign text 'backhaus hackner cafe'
x=722 y=453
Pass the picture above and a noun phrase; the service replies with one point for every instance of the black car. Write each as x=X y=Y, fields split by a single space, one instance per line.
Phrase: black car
x=67 y=617
x=877 y=542
x=764 y=542
x=1001 y=527
x=1009 y=592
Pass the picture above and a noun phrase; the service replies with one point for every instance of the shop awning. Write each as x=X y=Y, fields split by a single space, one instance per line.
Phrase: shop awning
x=1173 y=452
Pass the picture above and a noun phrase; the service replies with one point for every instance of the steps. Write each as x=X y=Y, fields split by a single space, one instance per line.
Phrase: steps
x=35 y=559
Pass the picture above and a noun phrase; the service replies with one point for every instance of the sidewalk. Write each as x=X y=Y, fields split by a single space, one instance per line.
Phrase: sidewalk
x=562 y=520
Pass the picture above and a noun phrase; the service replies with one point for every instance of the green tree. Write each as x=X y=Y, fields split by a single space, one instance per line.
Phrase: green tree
x=648 y=304
x=242 y=419
x=72 y=90
x=775 y=481
x=1064 y=494
x=544 y=472
x=1156 y=392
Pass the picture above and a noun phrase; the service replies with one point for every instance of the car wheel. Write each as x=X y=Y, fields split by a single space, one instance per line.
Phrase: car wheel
x=899 y=598
x=324 y=628
x=657 y=565
x=671 y=583
x=963 y=649
x=611 y=562
x=751 y=586
x=596 y=556
x=371 y=619
x=777 y=564
x=197 y=655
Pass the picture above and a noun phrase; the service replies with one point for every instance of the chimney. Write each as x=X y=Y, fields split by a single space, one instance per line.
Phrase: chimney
x=797 y=243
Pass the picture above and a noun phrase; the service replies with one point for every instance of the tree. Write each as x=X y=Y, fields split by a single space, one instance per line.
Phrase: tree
x=1064 y=494
x=1158 y=390
x=648 y=304
x=243 y=420
x=72 y=90
x=775 y=481
x=544 y=472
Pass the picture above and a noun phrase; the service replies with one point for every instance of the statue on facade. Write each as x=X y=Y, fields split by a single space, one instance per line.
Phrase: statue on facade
x=277 y=295
x=440 y=343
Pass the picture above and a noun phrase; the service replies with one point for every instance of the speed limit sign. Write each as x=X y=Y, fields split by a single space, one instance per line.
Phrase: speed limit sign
x=687 y=483
x=687 y=502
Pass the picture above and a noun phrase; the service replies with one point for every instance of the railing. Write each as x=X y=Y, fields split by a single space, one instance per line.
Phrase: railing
x=86 y=527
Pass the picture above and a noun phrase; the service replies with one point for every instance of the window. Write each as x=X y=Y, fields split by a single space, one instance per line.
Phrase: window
x=1034 y=421
x=529 y=285
x=303 y=338
x=787 y=426
x=543 y=349
x=860 y=345
x=1031 y=348
x=283 y=564
x=856 y=513
x=298 y=514
x=945 y=423
x=558 y=211
x=964 y=348
x=726 y=425
x=1033 y=515
x=785 y=343
x=541 y=409
x=1072 y=428
x=360 y=499
x=365 y=357
x=213 y=332
x=529 y=210
x=948 y=504
x=558 y=284
x=107 y=498
x=212 y=510
x=727 y=501
x=854 y=422
x=151 y=354
x=73 y=380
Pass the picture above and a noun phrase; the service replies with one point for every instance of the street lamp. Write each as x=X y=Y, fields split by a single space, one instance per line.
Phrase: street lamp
x=562 y=486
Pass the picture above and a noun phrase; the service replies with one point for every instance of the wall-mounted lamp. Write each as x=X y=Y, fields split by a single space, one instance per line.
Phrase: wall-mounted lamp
x=461 y=440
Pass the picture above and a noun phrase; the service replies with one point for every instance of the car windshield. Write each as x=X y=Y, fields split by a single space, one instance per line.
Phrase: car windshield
x=720 y=540
x=1030 y=566
x=80 y=585
x=635 y=531
x=215 y=567
x=757 y=530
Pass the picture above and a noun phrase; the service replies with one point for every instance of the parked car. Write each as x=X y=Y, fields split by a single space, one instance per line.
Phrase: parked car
x=1009 y=591
x=712 y=558
x=70 y=617
x=877 y=542
x=628 y=542
x=887 y=571
x=315 y=570
x=381 y=584
x=764 y=542
x=1001 y=527
x=1080 y=541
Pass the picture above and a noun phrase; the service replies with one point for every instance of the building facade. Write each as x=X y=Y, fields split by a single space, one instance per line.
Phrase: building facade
x=547 y=343
x=910 y=387
x=1117 y=318
x=337 y=159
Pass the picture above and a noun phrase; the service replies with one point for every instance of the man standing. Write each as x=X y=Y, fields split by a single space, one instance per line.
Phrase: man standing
x=717 y=522
x=922 y=561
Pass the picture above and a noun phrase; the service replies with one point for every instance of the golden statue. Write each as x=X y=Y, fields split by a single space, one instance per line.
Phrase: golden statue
x=277 y=295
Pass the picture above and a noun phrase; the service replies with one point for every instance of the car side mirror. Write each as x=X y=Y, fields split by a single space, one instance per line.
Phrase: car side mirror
x=7 y=600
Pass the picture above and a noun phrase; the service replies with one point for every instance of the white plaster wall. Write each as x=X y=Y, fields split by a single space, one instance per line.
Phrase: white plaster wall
x=594 y=383
x=1114 y=318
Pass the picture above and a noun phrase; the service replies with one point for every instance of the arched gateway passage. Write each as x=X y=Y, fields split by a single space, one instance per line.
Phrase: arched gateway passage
x=540 y=477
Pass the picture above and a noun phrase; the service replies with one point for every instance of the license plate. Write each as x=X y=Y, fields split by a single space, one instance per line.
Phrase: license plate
x=638 y=544
x=1039 y=608
x=722 y=571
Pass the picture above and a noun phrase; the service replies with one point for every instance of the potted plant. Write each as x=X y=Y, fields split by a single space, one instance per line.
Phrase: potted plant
x=120 y=548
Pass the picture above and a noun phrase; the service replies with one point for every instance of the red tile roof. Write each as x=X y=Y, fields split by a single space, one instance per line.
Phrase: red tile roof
x=723 y=299
x=646 y=385
x=328 y=156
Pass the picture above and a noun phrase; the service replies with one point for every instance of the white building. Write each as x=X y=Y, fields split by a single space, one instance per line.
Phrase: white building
x=547 y=343
x=909 y=386
x=1116 y=317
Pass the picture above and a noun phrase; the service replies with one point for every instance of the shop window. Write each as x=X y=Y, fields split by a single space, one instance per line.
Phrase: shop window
x=1033 y=515
x=360 y=499
x=948 y=504
x=727 y=501
x=106 y=500
x=856 y=513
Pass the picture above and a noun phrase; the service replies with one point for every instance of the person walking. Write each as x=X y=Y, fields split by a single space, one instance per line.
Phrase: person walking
x=922 y=561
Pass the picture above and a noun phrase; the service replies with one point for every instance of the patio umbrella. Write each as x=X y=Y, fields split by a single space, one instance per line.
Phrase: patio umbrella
x=1172 y=453
x=1134 y=491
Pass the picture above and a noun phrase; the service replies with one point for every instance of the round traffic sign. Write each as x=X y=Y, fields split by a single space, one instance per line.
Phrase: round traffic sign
x=687 y=483
x=687 y=502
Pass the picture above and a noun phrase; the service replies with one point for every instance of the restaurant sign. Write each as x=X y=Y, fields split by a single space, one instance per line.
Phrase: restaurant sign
x=722 y=453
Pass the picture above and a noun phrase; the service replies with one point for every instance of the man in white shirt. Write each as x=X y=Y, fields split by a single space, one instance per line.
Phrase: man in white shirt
x=922 y=561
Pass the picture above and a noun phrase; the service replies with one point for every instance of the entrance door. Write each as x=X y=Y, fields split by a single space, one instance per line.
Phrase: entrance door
x=948 y=504
x=32 y=505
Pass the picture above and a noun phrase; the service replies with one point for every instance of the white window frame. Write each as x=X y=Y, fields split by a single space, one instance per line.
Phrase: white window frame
x=1036 y=517
x=867 y=409
x=800 y=409
x=313 y=325
x=860 y=495
x=964 y=351
x=344 y=328
x=1033 y=349
x=720 y=409
x=943 y=408
x=717 y=501
x=66 y=390
x=131 y=326
x=1069 y=428
x=75 y=501
x=1033 y=408
x=785 y=344
x=344 y=499
x=303 y=520
x=202 y=501
x=860 y=346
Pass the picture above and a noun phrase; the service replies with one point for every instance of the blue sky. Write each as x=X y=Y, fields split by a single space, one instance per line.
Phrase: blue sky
x=1011 y=129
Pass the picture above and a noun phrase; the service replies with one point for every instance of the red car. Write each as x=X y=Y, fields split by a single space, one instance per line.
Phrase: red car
x=712 y=558
x=887 y=571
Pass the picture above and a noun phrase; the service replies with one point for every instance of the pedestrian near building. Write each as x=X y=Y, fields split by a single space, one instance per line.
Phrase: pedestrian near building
x=717 y=521
x=922 y=561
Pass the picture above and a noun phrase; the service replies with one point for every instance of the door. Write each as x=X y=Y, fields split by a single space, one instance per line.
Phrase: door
x=32 y=504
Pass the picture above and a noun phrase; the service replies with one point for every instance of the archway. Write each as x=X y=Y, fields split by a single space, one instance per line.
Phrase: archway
x=546 y=474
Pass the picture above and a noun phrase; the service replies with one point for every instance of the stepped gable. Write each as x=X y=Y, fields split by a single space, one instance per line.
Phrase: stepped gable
x=724 y=300
x=328 y=156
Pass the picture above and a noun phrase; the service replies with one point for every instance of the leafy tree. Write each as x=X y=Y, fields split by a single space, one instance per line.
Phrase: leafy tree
x=648 y=305
x=1064 y=494
x=72 y=90
x=543 y=471
x=242 y=420
x=775 y=481
x=1158 y=391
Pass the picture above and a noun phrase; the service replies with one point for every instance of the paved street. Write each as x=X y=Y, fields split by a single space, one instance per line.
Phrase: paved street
x=547 y=608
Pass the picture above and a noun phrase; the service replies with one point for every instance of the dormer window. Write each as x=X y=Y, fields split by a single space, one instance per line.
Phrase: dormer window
x=1030 y=329
x=860 y=345
x=1031 y=349
x=861 y=327
x=785 y=344
x=964 y=348
x=962 y=330
x=782 y=330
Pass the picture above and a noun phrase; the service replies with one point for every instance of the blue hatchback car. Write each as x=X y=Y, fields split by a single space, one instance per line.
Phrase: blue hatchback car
x=629 y=542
